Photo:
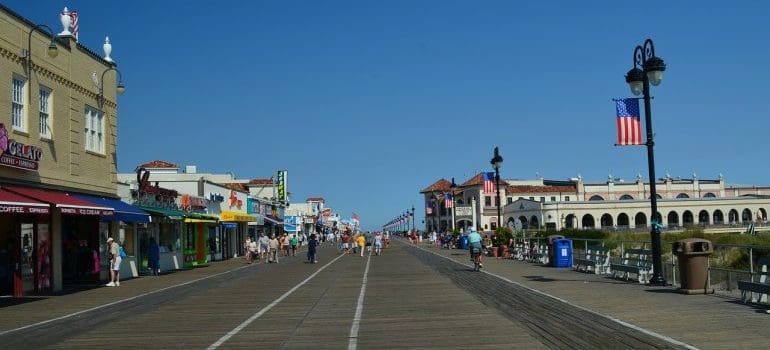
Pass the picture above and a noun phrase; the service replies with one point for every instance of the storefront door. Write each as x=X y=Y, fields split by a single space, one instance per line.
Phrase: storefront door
x=83 y=255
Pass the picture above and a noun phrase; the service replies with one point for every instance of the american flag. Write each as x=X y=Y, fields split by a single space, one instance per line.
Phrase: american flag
x=74 y=28
x=447 y=200
x=428 y=210
x=355 y=217
x=489 y=182
x=629 y=122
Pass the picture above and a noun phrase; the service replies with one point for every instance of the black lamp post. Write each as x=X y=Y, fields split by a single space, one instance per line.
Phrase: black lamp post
x=496 y=161
x=452 y=188
x=639 y=80
x=120 y=88
x=435 y=213
x=412 y=217
x=52 y=51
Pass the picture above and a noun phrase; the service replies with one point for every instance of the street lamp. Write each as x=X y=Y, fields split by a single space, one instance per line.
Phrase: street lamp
x=496 y=161
x=412 y=217
x=452 y=188
x=120 y=88
x=53 y=51
x=435 y=212
x=639 y=80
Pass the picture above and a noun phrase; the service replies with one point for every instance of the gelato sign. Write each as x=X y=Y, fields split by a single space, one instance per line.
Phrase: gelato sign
x=16 y=154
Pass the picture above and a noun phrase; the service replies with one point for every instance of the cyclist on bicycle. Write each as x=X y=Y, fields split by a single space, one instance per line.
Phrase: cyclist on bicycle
x=474 y=243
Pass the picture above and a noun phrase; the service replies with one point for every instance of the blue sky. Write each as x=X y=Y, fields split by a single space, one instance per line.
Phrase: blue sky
x=366 y=103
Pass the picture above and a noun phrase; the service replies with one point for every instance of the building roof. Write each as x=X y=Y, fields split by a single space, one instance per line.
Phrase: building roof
x=236 y=186
x=158 y=164
x=476 y=180
x=538 y=189
x=261 y=181
x=315 y=199
x=442 y=185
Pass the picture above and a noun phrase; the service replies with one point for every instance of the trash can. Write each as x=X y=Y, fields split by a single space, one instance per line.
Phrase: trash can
x=692 y=256
x=464 y=242
x=551 y=251
x=563 y=253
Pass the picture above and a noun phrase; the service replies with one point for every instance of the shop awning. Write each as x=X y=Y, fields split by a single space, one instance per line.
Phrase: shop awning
x=273 y=220
x=233 y=216
x=68 y=204
x=12 y=203
x=200 y=217
x=169 y=213
x=123 y=211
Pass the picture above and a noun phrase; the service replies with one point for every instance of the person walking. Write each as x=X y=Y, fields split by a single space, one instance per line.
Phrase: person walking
x=293 y=243
x=114 y=250
x=253 y=250
x=153 y=257
x=246 y=249
x=264 y=247
x=274 y=246
x=284 y=245
x=361 y=240
x=312 y=243
x=378 y=243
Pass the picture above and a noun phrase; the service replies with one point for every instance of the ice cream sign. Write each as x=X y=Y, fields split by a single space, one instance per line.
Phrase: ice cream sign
x=16 y=154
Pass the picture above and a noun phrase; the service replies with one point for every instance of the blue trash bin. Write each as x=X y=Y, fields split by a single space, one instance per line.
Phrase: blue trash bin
x=464 y=242
x=562 y=249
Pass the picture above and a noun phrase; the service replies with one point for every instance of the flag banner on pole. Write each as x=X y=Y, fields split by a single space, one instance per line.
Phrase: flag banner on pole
x=629 y=122
x=74 y=27
x=429 y=210
x=447 y=200
x=489 y=182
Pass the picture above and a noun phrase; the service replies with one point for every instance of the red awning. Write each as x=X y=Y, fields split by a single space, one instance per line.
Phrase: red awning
x=66 y=203
x=12 y=203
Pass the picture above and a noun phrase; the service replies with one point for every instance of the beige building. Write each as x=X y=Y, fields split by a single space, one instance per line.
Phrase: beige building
x=58 y=139
x=614 y=204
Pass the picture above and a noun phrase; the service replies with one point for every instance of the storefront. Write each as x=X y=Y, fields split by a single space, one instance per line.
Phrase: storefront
x=164 y=229
x=25 y=245
x=195 y=241
x=235 y=224
x=124 y=223
x=73 y=229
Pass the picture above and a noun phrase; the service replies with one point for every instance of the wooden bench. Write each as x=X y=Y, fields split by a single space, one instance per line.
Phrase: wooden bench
x=595 y=259
x=761 y=288
x=634 y=262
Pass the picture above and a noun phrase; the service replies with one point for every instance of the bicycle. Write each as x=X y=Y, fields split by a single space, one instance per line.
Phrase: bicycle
x=476 y=259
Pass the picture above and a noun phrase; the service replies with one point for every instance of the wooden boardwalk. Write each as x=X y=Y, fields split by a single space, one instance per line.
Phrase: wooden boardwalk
x=415 y=297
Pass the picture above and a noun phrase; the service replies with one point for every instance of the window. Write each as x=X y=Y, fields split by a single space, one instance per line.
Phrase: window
x=510 y=200
x=542 y=199
x=566 y=198
x=553 y=199
x=94 y=130
x=18 y=112
x=596 y=197
x=487 y=201
x=532 y=198
x=45 y=113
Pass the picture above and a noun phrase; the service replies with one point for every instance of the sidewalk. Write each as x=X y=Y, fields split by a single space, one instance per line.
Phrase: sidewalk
x=37 y=309
x=706 y=321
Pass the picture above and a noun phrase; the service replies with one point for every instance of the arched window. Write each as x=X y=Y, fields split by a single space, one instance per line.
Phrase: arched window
x=719 y=218
x=626 y=197
x=596 y=197
x=606 y=221
x=703 y=217
x=682 y=195
x=623 y=220
x=746 y=215
x=534 y=222
x=588 y=221
x=570 y=221
x=709 y=195
x=673 y=218
x=687 y=218
x=640 y=220
x=524 y=222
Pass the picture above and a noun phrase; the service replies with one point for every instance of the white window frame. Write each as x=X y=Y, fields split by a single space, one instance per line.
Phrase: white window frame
x=19 y=100
x=93 y=130
x=46 y=113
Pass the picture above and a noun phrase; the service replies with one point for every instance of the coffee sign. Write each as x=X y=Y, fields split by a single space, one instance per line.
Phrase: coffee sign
x=16 y=154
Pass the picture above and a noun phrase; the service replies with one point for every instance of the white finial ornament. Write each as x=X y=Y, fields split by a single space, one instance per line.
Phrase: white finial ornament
x=66 y=21
x=107 y=49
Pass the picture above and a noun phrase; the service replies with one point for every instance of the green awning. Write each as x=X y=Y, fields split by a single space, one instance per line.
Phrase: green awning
x=200 y=216
x=169 y=213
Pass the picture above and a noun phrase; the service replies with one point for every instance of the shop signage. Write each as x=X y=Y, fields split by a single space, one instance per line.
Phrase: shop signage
x=20 y=209
x=16 y=154
x=234 y=201
x=87 y=211
x=153 y=196
x=232 y=216
x=463 y=210
x=281 y=179
x=190 y=203
x=252 y=205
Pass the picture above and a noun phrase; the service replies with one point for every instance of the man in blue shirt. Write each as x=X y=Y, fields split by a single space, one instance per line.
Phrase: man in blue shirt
x=474 y=243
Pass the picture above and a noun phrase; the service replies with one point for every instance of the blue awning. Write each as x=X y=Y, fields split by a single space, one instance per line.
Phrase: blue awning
x=123 y=211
